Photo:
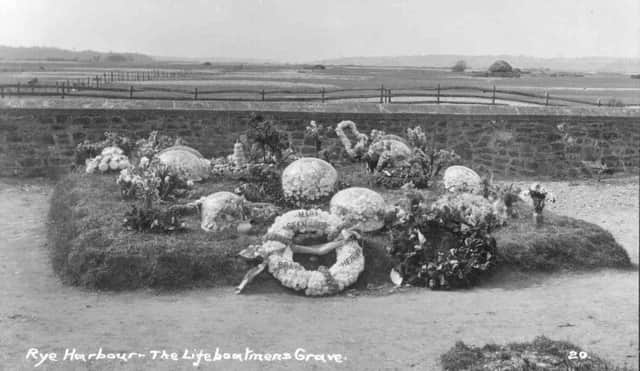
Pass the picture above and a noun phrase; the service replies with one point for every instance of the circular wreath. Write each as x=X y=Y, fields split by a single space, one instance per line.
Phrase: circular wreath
x=279 y=255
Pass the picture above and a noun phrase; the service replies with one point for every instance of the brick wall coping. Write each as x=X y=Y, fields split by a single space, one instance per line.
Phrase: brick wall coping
x=373 y=108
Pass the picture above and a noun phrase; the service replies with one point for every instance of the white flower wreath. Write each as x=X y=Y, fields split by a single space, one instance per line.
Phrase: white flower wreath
x=278 y=254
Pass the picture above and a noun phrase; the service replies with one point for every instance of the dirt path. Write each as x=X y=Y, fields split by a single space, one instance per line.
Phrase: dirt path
x=409 y=330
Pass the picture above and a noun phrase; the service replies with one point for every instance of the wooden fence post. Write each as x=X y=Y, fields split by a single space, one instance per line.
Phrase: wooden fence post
x=381 y=94
x=493 y=97
x=322 y=95
x=131 y=92
x=546 y=98
x=438 y=95
x=599 y=102
x=195 y=94
x=63 y=90
x=111 y=76
x=389 y=96
x=262 y=93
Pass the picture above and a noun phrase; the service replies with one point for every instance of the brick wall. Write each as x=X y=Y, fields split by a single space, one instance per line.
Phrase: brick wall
x=40 y=141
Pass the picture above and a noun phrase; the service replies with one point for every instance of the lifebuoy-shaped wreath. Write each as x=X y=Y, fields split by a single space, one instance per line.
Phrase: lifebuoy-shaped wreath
x=278 y=254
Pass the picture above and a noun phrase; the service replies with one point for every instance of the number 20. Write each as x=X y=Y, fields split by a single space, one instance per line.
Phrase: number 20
x=575 y=355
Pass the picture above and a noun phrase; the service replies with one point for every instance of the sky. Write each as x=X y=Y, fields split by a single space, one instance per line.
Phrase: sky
x=309 y=30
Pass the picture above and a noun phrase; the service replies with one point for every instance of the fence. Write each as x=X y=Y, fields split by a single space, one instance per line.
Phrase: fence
x=117 y=89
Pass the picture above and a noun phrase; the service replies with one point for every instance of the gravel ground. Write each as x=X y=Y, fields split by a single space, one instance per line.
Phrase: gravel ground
x=598 y=310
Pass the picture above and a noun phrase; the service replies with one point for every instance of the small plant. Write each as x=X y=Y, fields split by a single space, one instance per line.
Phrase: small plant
x=262 y=184
x=506 y=195
x=152 y=220
x=417 y=138
x=314 y=133
x=271 y=142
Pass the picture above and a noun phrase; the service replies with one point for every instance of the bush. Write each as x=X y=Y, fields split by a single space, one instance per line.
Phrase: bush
x=613 y=102
x=460 y=66
x=270 y=141
x=540 y=354
x=500 y=66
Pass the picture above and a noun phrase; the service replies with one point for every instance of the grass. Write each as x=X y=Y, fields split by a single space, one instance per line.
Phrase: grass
x=560 y=243
x=540 y=354
x=591 y=87
x=90 y=248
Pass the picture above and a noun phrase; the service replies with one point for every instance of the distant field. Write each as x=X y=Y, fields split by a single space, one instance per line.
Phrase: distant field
x=295 y=81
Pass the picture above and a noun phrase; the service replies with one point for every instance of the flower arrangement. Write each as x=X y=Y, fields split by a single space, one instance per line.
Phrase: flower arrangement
x=221 y=210
x=314 y=132
x=376 y=135
x=462 y=179
x=419 y=169
x=308 y=180
x=238 y=159
x=357 y=150
x=262 y=184
x=110 y=159
x=278 y=248
x=151 y=181
x=186 y=162
x=88 y=149
x=360 y=208
x=458 y=248
x=469 y=210
x=539 y=195
x=417 y=138
x=154 y=143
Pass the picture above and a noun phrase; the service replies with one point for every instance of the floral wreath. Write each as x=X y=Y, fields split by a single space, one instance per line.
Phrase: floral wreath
x=277 y=253
x=362 y=139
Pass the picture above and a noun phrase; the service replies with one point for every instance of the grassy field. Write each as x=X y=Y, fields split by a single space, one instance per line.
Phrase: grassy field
x=297 y=79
